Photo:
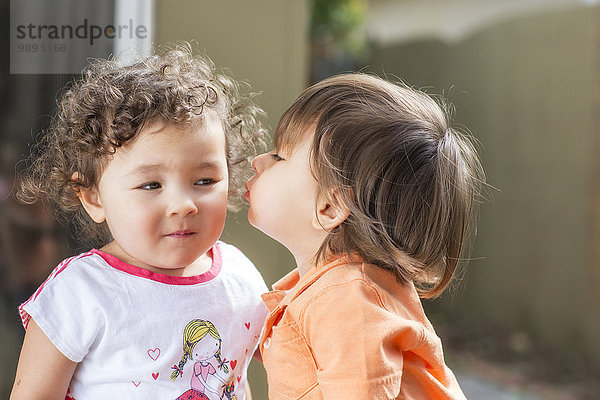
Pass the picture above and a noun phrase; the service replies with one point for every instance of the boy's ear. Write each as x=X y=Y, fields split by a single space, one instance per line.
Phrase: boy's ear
x=89 y=200
x=330 y=213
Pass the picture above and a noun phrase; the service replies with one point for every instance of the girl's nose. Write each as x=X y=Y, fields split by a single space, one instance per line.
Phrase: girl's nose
x=182 y=204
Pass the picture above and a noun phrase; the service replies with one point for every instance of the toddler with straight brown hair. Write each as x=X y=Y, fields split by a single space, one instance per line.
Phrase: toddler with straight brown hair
x=373 y=193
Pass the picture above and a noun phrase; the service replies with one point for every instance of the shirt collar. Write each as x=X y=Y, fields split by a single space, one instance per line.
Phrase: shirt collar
x=291 y=285
x=280 y=290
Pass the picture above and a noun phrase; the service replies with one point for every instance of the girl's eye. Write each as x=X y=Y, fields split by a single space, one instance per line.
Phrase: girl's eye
x=206 y=181
x=150 y=186
x=276 y=157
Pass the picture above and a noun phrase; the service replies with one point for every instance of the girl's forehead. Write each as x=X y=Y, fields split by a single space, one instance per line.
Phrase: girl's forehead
x=207 y=120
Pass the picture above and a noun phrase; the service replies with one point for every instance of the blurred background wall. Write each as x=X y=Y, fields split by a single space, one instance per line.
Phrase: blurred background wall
x=523 y=76
x=526 y=85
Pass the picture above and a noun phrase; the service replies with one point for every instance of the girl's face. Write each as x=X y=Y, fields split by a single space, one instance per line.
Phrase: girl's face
x=205 y=348
x=164 y=197
x=283 y=198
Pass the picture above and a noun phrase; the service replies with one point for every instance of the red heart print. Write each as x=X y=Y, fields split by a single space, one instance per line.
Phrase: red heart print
x=239 y=378
x=155 y=375
x=154 y=353
x=247 y=325
x=136 y=384
x=233 y=363
x=246 y=351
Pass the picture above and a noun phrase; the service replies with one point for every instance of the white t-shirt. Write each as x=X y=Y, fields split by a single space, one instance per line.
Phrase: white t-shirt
x=128 y=328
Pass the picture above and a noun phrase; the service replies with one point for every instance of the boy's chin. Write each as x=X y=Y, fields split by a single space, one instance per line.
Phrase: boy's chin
x=252 y=220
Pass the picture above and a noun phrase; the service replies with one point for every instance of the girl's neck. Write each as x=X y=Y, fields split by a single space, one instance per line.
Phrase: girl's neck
x=198 y=267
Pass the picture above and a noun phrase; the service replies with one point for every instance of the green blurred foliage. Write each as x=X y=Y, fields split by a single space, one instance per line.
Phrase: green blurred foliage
x=341 y=22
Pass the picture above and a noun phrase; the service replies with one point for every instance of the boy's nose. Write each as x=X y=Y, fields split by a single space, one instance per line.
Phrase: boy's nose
x=258 y=162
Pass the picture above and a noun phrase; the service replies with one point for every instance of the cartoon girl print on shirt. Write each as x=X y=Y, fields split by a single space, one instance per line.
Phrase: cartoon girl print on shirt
x=202 y=344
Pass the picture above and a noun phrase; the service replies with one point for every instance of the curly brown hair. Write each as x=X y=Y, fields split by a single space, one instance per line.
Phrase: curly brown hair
x=110 y=105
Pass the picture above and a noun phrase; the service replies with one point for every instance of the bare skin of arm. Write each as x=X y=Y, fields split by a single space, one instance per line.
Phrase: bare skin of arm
x=248 y=391
x=43 y=371
x=257 y=356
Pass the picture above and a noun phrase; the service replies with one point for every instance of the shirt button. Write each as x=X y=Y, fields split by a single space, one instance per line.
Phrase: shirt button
x=267 y=343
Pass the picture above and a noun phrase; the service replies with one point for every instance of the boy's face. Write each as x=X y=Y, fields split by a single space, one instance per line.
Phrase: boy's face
x=283 y=196
x=164 y=197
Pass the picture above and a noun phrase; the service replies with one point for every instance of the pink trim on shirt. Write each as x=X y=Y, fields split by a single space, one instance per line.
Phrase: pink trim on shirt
x=163 y=278
x=60 y=268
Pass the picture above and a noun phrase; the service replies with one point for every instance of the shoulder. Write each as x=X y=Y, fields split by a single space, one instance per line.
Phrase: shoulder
x=75 y=277
x=355 y=295
x=233 y=259
x=238 y=272
x=65 y=305
x=369 y=282
x=229 y=250
x=72 y=268
x=232 y=255
x=85 y=258
x=346 y=283
x=362 y=281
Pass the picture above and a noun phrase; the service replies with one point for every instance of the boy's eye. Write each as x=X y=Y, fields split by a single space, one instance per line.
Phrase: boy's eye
x=276 y=157
x=150 y=186
x=206 y=181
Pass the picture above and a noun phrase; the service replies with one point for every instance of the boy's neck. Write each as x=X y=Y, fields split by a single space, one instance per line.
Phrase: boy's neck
x=305 y=250
x=304 y=265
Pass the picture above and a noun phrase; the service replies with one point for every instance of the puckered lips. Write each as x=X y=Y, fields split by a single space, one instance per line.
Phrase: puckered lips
x=247 y=194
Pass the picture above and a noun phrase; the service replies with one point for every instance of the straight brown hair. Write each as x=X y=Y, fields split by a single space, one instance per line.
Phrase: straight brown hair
x=410 y=181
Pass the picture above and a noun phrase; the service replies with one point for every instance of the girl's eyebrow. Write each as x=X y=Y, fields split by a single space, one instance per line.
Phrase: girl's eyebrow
x=145 y=168
x=150 y=168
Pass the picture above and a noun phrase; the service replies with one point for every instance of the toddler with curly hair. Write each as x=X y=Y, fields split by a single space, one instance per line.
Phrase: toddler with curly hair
x=145 y=160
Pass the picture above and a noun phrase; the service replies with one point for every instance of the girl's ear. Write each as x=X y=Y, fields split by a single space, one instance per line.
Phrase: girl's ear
x=330 y=212
x=89 y=200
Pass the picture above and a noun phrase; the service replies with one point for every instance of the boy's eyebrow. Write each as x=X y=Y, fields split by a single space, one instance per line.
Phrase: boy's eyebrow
x=149 y=168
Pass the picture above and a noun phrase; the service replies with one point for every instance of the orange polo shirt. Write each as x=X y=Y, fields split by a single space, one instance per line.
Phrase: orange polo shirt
x=351 y=331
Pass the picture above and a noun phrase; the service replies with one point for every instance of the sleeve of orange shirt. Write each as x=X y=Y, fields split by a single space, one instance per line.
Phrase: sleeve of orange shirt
x=358 y=345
